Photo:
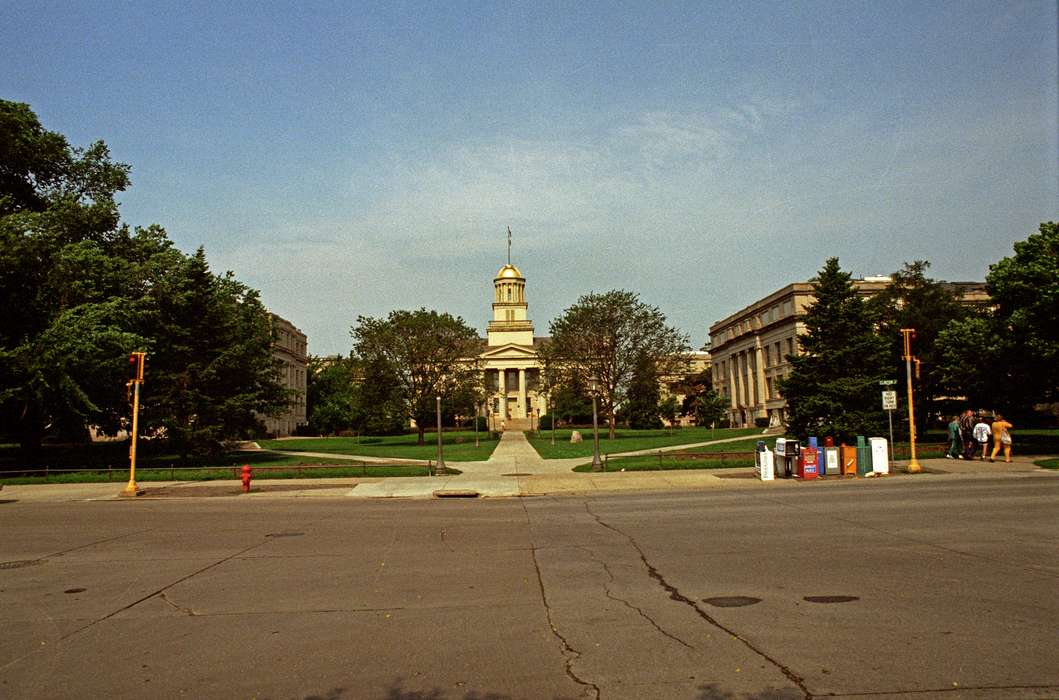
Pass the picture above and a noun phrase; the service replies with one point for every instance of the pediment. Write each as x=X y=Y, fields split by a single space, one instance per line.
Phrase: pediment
x=509 y=351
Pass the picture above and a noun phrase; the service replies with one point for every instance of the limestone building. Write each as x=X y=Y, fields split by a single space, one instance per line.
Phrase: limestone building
x=749 y=347
x=291 y=349
x=510 y=364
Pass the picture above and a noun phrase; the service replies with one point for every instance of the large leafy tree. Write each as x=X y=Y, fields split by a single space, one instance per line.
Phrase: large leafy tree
x=642 y=407
x=331 y=394
x=606 y=336
x=1008 y=357
x=916 y=301
x=425 y=354
x=65 y=334
x=80 y=291
x=833 y=387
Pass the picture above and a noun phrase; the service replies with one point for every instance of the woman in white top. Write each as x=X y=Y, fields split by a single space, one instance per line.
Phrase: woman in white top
x=982 y=431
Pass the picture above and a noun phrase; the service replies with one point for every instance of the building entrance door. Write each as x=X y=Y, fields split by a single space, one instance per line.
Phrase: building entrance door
x=512 y=407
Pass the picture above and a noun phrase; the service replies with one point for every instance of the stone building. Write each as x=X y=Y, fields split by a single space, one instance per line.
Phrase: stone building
x=291 y=349
x=510 y=365
x=749 y=347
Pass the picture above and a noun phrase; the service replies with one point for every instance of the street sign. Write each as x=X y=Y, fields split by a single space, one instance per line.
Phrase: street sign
x=889 y=400
x=887 y=382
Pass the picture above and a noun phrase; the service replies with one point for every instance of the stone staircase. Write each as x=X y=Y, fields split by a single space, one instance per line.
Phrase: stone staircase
x=519 y=424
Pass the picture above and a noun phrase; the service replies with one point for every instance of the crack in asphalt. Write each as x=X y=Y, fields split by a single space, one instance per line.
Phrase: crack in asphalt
x=630 y=606
x=161 y=590
x=679 y=597
x=445 y=541
x=187 y=611
x=570 y=654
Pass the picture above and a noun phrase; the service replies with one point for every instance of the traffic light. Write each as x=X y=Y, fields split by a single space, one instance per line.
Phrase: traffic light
x=136 y=361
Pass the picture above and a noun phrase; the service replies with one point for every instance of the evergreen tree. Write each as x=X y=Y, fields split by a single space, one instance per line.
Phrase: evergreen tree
x=643 y=397
x=833 y=387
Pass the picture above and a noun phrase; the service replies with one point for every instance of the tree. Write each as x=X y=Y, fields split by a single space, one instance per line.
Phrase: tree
x=605 y=336
x=426 y=353
x=709 y=407
x=80 y=291
x=914 y=300
x=66 y=334
x=1008 y=357
x=644 y=396
x=669 y=410
x=213 y=370
x=833 y=386
x=330 y=395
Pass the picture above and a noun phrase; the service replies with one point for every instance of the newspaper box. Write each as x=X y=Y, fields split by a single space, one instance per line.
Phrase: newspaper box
x=880 y=458
x=832 y=465
x=809 y=463
x=767 y=469
x=849 y=460
x=863 y=456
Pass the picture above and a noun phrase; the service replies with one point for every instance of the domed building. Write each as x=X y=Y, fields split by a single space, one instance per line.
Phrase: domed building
x=510 y=365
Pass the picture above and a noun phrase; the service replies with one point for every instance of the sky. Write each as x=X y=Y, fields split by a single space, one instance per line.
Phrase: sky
x=352 y=158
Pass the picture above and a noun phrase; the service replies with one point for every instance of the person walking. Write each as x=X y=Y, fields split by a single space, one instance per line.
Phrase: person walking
x=954 y=439
x=1001 y=438
x=981 y=436
x=967 y=433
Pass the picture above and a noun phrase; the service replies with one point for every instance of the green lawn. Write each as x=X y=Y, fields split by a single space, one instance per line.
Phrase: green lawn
x=628 y=440
x=459 y=446
x=1048 y=463
x=213 y=474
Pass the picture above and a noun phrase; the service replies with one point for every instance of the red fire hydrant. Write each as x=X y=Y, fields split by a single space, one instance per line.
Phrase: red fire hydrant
x=246 y=478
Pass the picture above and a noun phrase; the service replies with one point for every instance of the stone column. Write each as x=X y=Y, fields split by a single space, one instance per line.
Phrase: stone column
x=761 y=393
x=522 y=404
x=502 y=384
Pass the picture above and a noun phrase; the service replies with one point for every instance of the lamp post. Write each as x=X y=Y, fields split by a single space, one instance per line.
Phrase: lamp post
x=440 y=469
x=553 y=413
x=913 y=465
x=597 y=465
x=477 y=410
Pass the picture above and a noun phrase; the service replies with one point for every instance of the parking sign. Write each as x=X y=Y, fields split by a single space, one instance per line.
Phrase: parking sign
x=889 y=400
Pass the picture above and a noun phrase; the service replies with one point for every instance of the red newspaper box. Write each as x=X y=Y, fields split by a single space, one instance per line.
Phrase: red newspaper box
x=809 y=463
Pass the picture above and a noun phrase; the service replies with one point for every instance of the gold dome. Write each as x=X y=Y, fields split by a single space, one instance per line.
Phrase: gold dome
x=509 y=272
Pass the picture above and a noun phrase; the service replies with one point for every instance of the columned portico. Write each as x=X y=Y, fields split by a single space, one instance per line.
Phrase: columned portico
x=511 y=369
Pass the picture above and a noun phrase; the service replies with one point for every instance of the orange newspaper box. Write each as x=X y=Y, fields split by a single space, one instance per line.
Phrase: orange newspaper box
x=849 y=460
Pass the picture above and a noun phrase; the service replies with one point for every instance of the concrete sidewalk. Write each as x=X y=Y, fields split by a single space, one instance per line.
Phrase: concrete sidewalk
x=510 y=473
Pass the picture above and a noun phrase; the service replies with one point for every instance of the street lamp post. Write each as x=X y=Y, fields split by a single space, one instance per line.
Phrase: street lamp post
x=441 y=453
x=553 y=413
x=597 y=464
x=477 y=410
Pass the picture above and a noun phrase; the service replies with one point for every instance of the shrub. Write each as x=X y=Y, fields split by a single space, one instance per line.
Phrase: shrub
x=545 y=422
x=761 y=422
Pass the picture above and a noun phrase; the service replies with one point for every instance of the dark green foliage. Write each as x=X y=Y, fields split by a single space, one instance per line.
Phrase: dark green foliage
x=605 y=336
x=331 y=395
x=916 y=301
x=80 y=291
x=417 y=356
x=833 y=388
x=641 y=408
x=1008 y=357
x=701 y=400
x=545 y=422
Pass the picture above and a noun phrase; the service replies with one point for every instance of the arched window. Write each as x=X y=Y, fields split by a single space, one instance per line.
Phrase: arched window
x=509 y=293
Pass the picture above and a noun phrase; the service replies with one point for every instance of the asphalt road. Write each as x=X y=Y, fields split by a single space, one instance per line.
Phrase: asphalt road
x=939 y=589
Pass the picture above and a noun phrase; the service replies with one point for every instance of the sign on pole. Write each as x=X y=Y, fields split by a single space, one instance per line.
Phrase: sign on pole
x=889 y=400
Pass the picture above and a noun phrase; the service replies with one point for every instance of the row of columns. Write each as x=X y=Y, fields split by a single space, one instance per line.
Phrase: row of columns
x=522 y=406
x=746 y=377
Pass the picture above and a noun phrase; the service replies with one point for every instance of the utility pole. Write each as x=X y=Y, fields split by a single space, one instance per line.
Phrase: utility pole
x=909 y=333
x=136 y=361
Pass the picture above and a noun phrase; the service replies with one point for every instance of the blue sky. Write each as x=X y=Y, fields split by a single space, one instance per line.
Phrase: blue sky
x=350 y=158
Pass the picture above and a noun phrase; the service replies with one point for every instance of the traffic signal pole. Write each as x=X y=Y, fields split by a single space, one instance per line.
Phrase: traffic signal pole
x=913 y=464
x=136 y=360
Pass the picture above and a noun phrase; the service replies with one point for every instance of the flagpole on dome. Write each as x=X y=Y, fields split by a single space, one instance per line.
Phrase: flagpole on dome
x=508 y=245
